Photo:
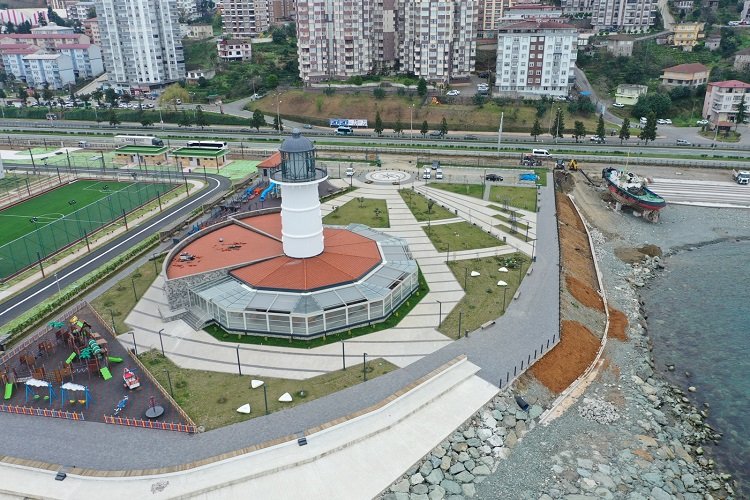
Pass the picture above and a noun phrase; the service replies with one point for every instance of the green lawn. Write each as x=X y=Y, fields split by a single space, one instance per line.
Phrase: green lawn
x=473 y=190
x=51 y=206
x=418 y=205
x=484 y=298
x=117 y=302
x=732 y=136
x=211 y=399
x=460 y=236
x=367 y=211
x=505 y=211
x=515 y=196
x=239 y=170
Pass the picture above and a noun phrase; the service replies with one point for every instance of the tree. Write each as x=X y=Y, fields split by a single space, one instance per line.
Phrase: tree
x=200 y=117
x=271 y=81
x=112 y=117
x=258 y=120
x=97 y=95
x=173 y=94
x=185 y=119
x=22 y=93
x=478 y=100
x=144 y=119
x=110 y=96
x=378 y=93
x=558 y=127
x=85 y=98
x=600 y=127
x=579 y=130
x=399 y=127
x=36 y=96
x=625 y=130
x=278 y=124
x=378 y=124
x=422 y=87
x=536 y=129
x=648 y=132
x=443 y=127
x=425 y=128
x=741 y=113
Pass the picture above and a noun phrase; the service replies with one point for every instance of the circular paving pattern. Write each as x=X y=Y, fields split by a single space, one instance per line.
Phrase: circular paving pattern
x=388 y=176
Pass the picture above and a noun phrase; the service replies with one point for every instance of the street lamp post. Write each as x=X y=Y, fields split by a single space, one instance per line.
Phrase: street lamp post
x=169 y=379
x=57 y=280
x=161 y=342
x=440 y=312
x=135 y=346
x=239 y=366
x=411 y=122
x=364 y=366
x=265 y=398
x=558 y=125
x=343 y=356
x=278 y=115
x=135 y=295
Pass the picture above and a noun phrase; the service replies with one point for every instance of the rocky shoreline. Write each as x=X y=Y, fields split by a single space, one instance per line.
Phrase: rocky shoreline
x=633 y=435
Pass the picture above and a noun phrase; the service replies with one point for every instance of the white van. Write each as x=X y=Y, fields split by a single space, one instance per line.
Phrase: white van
x=540 y=152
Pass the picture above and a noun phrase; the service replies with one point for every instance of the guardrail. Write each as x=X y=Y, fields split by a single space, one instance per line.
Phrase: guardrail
x=150 y=424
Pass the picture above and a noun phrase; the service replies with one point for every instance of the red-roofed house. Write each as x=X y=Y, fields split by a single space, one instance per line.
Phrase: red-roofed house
x=536 y=58
x=723 y=98
x=686 y=75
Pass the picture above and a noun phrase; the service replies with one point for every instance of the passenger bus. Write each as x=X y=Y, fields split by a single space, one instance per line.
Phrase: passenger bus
x=138 y=140
x=207 y=144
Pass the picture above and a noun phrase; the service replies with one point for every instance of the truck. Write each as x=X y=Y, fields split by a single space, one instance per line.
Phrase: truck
x=741 y=177
x=138 y=140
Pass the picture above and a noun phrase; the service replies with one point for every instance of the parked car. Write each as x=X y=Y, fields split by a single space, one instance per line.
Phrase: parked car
x=702 y=122
x=470 y=137
x=683 y=142
x=560 y=98
x=427 y=174
x=436 y=134
x=644 y=119
x=435 y=164
x=453 y=93
x=597 y=139
x=618 y=105
x=350 y=171
x=667 y=121
x=307 y=125
x=439 y=174
x=493 y=177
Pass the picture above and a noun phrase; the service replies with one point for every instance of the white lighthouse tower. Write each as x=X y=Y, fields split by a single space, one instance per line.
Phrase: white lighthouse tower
x=301 y=220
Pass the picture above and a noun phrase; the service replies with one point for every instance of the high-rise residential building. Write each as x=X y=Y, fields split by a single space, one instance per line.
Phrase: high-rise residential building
x=434 y=39
x=91 y=28
x=536 y=58
x=334 y=39
x=187 y=9
x=79 y=11
x=722 y=101
x=141 y=45
x=572 y=7
x=631 y=16
x=281 y=11
x=244 y=19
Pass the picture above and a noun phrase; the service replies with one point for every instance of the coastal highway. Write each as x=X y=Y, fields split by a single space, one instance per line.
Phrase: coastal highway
x=47 y=287
x=701 y=192
x=13 y=132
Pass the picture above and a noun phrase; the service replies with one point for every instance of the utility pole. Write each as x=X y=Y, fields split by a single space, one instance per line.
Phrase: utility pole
x=500 y=131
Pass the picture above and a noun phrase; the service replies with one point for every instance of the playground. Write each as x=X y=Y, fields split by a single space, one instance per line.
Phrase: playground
x=40 y=226
x=76 y=365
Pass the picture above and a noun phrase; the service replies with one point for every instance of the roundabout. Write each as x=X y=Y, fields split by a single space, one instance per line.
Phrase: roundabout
x=387 y=176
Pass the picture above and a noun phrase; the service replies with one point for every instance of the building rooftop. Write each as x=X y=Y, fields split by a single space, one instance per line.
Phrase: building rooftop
x=142 y=150
x=687 y=68
x=75 y=45
x=744 y=52
x=199 y=152
x=273 y=161
x=530 y=25
x=48 y=57
x=49 y=36
x=731 y=84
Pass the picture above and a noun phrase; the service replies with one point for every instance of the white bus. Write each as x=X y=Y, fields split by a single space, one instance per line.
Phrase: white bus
x=207 y=144
x=344 y=131
x=138 y=140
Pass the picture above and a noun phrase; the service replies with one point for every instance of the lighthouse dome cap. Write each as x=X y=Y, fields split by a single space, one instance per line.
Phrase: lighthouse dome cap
x=296 y=143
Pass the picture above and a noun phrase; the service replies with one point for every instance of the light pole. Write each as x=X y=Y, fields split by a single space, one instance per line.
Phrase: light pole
x=161 y=342
x=239 y=366
x=440 y=312
x=57 y=280
x=343 y=356
x=411 y=122
x=558 y=125
x=169 y=379
x=132 y=334
x=265 y=398
x=278 y=115
x=364 y=366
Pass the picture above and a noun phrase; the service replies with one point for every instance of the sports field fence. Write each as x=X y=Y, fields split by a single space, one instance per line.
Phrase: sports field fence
x=52 y=237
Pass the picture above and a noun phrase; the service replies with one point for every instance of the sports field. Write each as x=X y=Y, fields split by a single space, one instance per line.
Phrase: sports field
x=42 y=225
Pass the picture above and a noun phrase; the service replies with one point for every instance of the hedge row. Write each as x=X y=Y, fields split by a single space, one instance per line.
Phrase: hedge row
x=73 y=292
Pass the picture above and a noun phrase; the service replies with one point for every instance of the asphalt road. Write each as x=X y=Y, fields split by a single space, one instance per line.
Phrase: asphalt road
x=47 y=287
x=75 y=131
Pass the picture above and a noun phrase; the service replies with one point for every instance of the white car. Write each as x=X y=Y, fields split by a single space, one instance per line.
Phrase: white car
x=661 y=121
x=644 y=119
x=667 y=121
x=439 y=174
x=702 y=122
x=349 y=172
x=618 y=105
x=453 y=93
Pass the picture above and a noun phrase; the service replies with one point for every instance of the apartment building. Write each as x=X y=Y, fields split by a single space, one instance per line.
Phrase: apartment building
x=234 y=50
x=439 y=39
x=91 y=28
x=631 y=16
x=55 y=70
x=573 y=7
x=52 y=29
x=79 y=11
x=281 y=11
x=488 y=18
x=12 y=57
x=687 y=35
x=685 y=75
x=187 y=10
x=536 y=58
x=85 y=57
x=141 y=45
x=335 y=39
x=245 y=19
x=722 y=101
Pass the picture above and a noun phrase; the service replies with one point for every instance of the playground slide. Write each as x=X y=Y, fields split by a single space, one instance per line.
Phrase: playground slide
x=114 y=359
x=265 y=193
x=8 y=390
x=106 y=375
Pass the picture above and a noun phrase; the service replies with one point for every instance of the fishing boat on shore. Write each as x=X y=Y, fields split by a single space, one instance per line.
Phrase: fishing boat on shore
x=630 y=190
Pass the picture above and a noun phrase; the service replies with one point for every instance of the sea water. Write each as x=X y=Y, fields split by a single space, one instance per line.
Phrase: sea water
x=698 y=320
